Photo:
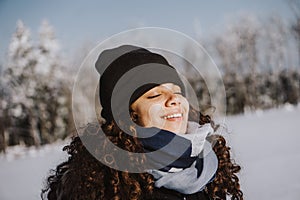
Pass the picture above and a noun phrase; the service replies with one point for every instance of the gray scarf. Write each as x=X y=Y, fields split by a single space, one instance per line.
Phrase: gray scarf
x=186 y=180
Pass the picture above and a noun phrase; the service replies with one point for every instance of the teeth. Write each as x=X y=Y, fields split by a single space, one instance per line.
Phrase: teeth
x=173 y=116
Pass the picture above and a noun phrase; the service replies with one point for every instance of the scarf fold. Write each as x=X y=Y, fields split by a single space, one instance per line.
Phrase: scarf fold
x=185 y=163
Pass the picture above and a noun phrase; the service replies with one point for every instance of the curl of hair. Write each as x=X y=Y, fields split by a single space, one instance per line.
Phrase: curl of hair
x=226 y=181
x=82 y=176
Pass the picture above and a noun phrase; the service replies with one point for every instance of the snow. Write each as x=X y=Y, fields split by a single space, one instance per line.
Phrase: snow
x=264 y=143
x=23 y=170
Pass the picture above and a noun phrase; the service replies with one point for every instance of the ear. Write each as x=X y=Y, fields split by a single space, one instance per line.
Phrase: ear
x=134 y=116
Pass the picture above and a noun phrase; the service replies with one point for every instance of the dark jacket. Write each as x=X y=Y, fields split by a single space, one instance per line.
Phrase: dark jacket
x=166 y=194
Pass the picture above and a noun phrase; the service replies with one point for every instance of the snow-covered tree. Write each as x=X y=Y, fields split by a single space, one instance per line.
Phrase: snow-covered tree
x=2 y=116
x=52 y=87
x=295 y=27
x=20 y=80
x=274 y=41
x=39 y=97
x=21 y=65
x=238 y=53
x=49 y=62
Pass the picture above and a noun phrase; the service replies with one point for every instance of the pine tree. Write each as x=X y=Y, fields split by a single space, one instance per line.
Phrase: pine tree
x=52 y=87
x=39 y=96
x=48 y=53
x=2 y=116
x=20 y=80
x=295 y=27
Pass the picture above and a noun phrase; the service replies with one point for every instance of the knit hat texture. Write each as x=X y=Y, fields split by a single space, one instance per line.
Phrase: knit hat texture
x=126 y=73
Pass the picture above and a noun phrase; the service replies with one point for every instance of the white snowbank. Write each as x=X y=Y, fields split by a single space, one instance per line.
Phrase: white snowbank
x=266 y=145
x=23 y=170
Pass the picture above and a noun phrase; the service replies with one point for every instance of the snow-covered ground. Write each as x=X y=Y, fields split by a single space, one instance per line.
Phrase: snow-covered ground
x=264 y=143
x=23 y=171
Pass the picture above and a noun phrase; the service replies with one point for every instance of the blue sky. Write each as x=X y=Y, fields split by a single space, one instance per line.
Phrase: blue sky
x=80 y=21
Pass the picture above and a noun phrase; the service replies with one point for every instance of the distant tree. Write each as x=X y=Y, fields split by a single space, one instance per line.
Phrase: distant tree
x=226 y=46
x=238 y=52
x=235 y=93
x=290 y=86
x=2 y=116
x=295 y=27
x=39 y=96
x=52 y=95
x=275 y=42
x=20 y=80
x=198 y=80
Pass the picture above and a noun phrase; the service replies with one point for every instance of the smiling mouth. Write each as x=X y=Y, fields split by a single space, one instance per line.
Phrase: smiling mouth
x=172 y=116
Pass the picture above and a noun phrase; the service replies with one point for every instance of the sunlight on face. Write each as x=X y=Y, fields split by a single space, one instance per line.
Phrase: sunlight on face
x=162 y=107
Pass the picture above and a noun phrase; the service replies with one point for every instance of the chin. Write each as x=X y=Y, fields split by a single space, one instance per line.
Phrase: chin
x=178 y=129
x=175 y=130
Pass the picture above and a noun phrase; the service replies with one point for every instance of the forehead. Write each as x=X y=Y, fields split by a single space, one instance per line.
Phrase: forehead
x=169 y=86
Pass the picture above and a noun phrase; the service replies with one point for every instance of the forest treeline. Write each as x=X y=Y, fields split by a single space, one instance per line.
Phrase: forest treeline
x=259 y=61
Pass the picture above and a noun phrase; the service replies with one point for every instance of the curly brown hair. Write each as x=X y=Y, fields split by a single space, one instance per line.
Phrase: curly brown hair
x=83 y=176
x=226 y=181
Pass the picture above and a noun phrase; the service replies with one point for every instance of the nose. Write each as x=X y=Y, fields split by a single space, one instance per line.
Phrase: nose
x=172 y=100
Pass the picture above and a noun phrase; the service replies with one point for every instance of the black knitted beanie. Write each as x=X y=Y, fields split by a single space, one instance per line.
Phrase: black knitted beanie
x=127 y=72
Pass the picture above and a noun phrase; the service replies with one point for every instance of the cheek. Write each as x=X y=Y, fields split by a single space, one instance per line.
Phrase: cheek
x=185 y=105
x=152 y=115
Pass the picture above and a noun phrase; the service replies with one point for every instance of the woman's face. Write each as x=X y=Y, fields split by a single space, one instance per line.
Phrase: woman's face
x=163 y=107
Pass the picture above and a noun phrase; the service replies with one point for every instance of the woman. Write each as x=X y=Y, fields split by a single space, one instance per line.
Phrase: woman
x=177 y=162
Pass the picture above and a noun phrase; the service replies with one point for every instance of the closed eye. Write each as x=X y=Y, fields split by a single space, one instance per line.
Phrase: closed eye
x=153 y=96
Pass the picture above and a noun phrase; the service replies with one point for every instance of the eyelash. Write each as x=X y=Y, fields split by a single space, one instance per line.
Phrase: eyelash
x=152 y=97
